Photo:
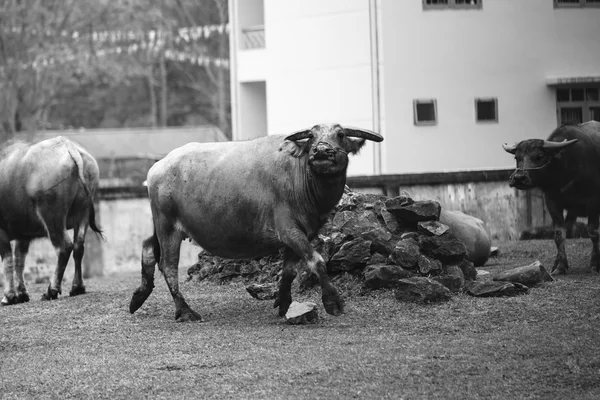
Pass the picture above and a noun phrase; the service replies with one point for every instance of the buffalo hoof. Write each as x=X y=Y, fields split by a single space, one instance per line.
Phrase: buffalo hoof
x=23 y=297
x=9 y=300
x=283 y=304
x=188 y=315
x=139 y=297
x=333 y=304
x=51 y=294
x=77 y=290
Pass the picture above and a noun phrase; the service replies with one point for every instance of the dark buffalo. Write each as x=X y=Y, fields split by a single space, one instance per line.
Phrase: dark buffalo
x=566 y=167
x=46 y=188
x=248 y=199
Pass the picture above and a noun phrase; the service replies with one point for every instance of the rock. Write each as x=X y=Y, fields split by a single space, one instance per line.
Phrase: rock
x=468 y=269
x=428 y=266
x=431 y=228
x=302 y=313
x=405 y=254
x=352 y=254
x=202 y=270
x=384 y=275
x=494 y=251
x=266 y=291
x=249 y=269
x=425 y=210
x=398 y=202
x=453 y=278
x=390 y=220
x=446 y=248
x=230 y=269
x=341 y=217
x=529 y=275
x=471 y=231
x=380 y=240
x=360 y=223
x=409 y=235
x=483 y=275
x=422 y=290
x=377 y=258
x=494 y=288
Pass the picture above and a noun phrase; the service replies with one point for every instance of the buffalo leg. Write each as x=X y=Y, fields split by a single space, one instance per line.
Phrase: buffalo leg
x=77 y=286
x=593 y=223
x=284 y=299
x=298 y=242
x=558 y=222
x=21 y=249
x=10 y=296
x=64 y=246
x=170 y=244
x=150 y=255
x=570 y=223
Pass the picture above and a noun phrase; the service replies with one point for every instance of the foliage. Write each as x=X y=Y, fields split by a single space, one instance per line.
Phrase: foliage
x=103 y=63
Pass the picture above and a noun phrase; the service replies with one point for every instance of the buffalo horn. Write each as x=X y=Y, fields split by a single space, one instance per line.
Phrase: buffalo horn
x=510 y=149
x=558 y=145
x=299 y=135
x=363 y=133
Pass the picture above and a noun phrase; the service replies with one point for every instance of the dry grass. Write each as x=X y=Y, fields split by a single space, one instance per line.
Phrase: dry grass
x=545 y=344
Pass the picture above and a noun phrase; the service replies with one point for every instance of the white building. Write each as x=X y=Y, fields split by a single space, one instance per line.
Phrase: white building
x=446 y=82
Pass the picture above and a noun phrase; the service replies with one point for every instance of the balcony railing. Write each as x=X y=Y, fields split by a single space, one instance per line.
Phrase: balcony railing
x=253 y=37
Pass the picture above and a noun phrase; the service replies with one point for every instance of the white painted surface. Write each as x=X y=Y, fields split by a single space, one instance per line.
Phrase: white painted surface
x=318 y=69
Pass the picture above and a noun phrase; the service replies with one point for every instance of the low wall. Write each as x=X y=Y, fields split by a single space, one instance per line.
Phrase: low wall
x=486 y=195
x=124 y=215
x=126 y=221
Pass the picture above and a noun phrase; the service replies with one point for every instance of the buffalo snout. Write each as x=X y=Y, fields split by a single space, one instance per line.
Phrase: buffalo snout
x=520 y=180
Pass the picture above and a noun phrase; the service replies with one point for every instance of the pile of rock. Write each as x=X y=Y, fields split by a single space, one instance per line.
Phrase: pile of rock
x=378 y=238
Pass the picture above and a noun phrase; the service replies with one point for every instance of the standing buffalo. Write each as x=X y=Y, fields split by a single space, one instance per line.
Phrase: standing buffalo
x=566 y=167
x=248 y=199
x=45 y=188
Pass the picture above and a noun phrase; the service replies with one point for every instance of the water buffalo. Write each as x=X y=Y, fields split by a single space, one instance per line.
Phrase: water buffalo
x=46 y=188
x=248 y=199
x=566 y=167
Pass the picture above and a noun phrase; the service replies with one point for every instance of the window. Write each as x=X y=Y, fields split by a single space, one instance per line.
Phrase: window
x=425 y=112
x=451 y=4
x=486 y=110
x=578 y=104
x=576 y=3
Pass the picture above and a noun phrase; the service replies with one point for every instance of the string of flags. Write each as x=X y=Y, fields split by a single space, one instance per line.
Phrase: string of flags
x=130 y=42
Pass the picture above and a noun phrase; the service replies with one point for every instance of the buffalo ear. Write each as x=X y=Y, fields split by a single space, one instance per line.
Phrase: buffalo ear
x=297 y=144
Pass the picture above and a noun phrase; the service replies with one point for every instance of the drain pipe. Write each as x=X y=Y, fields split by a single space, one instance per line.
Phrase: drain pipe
x=375 y=83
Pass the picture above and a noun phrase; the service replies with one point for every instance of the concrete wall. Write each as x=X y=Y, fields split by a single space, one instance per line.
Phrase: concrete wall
x=126 y=223
x=507 y=49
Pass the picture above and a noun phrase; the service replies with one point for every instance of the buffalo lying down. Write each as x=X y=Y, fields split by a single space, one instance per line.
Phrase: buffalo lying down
x=248 y=199
x=566 y=167
x=46 y=188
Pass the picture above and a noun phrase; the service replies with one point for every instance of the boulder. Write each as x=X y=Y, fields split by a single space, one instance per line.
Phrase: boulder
x=422 y=290
x=428 y=266
x=425 y=210
x=495 y=288
x=266 y=291
x=302 y=313
x=453 y=278
x=468 y=269
x=405 y=254
x=431 y=228
x=380 y=240
x=353 y=254
x=379 y=276
x=471 y=231
x=446 y=248
x=390 y=220
x=529 y=275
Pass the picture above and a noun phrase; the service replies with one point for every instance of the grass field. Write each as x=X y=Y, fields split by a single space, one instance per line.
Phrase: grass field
x=542 y=345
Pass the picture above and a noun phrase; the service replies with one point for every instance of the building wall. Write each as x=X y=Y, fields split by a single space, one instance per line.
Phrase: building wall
x=505 y=50
x=318 y=67
x=253 y=116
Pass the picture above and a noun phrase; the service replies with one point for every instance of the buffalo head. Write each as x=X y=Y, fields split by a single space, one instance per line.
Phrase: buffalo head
x=327 y=146
x=533 y=156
